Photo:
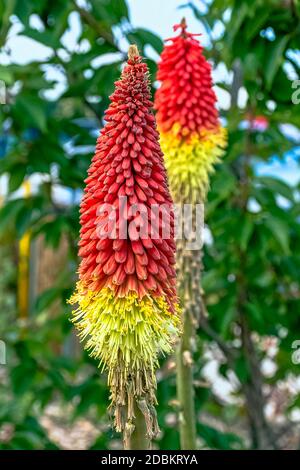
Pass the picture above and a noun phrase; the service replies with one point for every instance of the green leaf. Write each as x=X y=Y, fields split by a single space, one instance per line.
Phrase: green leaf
x=23 y=221
x=257 y=23
x=281 y=88
x=22 y=376
x=109 y=13
x=6 y=10
x=242 y=370
x=81 y=61
x=247 y=228
x=23 y=10
x=223 y=183
x=9 y=212
x=251 y=65
x=264 y=279
x=275 y=57
x=16 y=178
x=32 y=110
x=47 y=298
x=6 y=75
x=142 y=37
x=104 y=78
x=255 y=313
x=279 y=230
x=119 y=8
x=216 y=439
x=228 y=315
x=278 y=186
x=239 y=13
x=47 y=37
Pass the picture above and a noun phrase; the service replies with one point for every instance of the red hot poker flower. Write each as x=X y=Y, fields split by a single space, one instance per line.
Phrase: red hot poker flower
x=186 y=97
x=126 y=290
x=192 y=138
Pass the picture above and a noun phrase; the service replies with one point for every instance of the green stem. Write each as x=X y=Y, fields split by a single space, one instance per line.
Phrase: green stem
x=138 y=439
x=185 y=387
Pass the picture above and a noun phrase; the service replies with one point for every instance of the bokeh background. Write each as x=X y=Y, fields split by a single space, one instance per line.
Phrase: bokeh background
x=59 y=61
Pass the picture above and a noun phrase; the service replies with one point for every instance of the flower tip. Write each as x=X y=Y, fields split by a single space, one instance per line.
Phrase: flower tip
x=133 y=52
x=183 y=23
x=183 y=26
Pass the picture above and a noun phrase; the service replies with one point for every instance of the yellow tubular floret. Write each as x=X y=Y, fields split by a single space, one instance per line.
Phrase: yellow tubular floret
x=190 y=162
x=126 y=334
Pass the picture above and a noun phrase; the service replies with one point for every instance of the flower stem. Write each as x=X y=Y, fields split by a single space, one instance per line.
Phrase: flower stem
x=138 y=439
x=189 y=264
x=185 y=387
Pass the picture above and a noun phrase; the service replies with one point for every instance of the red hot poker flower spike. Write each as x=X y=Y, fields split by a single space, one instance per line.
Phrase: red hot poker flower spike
x=186 y=97
x=126 y=290
x=192 y=138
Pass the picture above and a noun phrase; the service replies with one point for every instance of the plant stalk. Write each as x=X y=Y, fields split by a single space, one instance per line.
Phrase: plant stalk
x=138 y=439
x=189 y=277
x=185 y=387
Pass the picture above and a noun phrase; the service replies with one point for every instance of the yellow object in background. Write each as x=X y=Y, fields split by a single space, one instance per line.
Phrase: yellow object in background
x=23 y=268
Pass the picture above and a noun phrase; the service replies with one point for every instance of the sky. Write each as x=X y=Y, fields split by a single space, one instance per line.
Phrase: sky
x=160 y=15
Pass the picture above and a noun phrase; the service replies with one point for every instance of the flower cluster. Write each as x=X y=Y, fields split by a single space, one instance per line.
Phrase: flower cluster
x=192 y=138
x=126 y=304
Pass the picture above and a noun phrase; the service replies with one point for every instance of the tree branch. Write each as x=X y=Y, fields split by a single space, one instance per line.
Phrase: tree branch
x=207 y=328
x=95 y=25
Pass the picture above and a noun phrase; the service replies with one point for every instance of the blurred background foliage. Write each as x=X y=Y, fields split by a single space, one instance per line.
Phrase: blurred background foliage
x=247 y=386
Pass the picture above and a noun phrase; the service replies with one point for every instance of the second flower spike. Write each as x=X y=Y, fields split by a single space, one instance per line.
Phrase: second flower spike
x=192 y=137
